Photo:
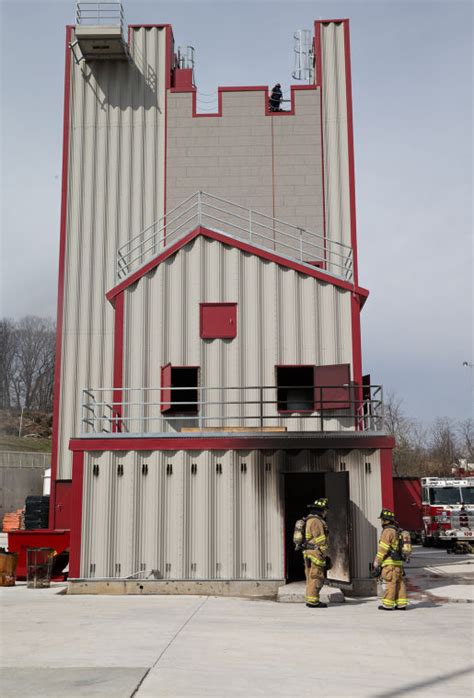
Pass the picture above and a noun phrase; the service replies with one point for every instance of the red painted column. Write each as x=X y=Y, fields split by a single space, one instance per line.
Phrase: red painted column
x=62 y=262
x=76 y=514
x=118 y=359
x=386 y=477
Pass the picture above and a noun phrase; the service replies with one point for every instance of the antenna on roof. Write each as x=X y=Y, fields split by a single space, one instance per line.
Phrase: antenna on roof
x=303 y=48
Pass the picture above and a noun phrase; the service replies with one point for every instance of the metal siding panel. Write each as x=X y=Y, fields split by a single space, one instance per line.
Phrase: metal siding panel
x=283 y=317
x=209 y=525
x=116 y=187
x=365 y=494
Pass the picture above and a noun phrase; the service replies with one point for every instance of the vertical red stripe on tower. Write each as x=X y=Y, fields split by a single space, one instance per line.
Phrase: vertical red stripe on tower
x=62 y=253
x=118 y=359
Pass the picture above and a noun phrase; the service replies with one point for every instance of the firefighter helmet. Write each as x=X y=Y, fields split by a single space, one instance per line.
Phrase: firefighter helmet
x=387 y=515
x=321 y=503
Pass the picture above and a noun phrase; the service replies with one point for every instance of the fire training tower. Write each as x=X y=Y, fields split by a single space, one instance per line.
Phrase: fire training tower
x=209 y=377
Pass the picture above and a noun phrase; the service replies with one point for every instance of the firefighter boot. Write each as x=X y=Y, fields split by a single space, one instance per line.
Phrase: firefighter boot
x=320 y=604
x=384 y=608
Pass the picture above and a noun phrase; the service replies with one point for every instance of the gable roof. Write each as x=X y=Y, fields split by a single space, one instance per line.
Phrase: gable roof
x=226 y=239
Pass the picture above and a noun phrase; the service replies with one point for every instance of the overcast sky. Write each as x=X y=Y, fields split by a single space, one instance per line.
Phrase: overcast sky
x=412 y=70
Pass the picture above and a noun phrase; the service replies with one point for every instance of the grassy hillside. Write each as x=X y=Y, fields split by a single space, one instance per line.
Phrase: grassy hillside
x=13 y=443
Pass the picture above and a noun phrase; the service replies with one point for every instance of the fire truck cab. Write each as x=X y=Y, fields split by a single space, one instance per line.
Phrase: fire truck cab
x=447 y=510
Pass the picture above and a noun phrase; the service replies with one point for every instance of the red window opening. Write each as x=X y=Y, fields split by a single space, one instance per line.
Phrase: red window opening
x=218 y=320
x=179 y=389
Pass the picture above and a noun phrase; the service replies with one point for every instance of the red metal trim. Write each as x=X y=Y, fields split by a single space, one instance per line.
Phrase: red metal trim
x=241 y=245
x=244 y=88
x=216 y=443
x=356 y=339
x=76 y=514
x=119 y=303
x=62 y=255
x=110 y=295
x=350 y=140
x=386 y=476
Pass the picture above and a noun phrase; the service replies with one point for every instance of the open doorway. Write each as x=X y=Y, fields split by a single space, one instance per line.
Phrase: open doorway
x=300 y=490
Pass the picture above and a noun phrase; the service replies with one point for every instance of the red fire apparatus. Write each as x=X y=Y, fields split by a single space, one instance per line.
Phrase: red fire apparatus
x=447 y=510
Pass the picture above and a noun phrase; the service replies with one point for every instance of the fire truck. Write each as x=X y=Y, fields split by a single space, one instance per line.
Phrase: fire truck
x=447 y=510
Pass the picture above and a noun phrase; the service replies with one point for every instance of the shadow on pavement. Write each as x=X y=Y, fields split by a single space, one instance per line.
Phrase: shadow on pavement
x=408 y=689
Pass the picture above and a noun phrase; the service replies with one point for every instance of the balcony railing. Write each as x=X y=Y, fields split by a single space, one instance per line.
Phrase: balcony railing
x=236 y=221
x=143 y=411
x=106 y=13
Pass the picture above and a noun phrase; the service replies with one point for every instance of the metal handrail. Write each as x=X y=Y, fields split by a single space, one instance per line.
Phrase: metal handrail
x=202 y=208
x=104 y=12
x=122 y=409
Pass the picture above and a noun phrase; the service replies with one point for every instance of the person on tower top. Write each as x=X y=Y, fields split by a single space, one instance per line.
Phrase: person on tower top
x=276 y=98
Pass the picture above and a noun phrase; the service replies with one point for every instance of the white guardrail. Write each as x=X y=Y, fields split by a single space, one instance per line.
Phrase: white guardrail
x=223 y=216
x=161 y=410
x=100 y=13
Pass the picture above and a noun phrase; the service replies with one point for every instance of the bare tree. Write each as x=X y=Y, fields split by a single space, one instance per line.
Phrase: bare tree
x=444 y=446
x=466 y=438
x=27 y=363
x=7 y=359
x=410 y=437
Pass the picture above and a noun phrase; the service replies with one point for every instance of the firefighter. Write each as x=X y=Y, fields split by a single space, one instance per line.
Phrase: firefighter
x=390 y=561
x=276 y=98
x=316 y=546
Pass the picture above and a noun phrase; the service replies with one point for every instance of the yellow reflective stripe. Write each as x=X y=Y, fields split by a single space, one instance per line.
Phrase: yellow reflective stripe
x=388 y=603
x=315 y=560
x=384 y=545
x=320 y=539
x=394 y=563
x=399 y=601
x=308 y=535
x=312 y=598
x=380 y=556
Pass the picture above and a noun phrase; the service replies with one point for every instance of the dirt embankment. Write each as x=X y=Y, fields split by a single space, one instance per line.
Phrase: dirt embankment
x=36 y=430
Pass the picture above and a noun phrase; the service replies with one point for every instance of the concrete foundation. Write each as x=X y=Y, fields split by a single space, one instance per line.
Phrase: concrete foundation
x=250 y=588
x=278 y=589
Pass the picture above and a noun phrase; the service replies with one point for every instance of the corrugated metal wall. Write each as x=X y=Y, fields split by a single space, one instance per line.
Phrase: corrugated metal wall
x=209 y=514
x=283 y=317
x=335 y=133
x=115 y=189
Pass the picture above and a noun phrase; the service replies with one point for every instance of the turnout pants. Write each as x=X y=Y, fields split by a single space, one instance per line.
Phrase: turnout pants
x=395 y=588
x=314 y=581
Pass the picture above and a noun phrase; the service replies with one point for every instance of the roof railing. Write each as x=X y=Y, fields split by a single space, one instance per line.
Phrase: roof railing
x=100 y=13
x=261 y=230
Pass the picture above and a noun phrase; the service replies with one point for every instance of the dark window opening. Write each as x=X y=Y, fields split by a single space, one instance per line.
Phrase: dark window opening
x=295 y=391
x=186 y=379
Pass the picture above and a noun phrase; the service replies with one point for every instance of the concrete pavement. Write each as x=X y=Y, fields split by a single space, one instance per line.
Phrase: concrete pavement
x=59 y=645
x=53 y=644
